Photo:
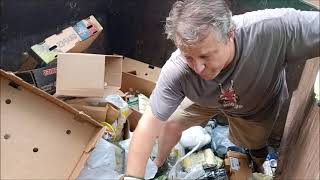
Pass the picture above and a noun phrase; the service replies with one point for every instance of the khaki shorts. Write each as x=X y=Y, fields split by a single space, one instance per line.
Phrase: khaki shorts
x=244 y=133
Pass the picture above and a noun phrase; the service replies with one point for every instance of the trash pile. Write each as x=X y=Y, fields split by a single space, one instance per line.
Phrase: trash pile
x=207 y=153
x=114 y=90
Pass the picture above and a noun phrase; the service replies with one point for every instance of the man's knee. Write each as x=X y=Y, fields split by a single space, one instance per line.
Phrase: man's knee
x=173 y=127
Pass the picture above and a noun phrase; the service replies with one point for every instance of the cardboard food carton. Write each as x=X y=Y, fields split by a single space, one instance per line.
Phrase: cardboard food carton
x=140 y=69
x=88 y=75
x=75 y=38
x=144 y=86
x=44 y=78
x=41 y=136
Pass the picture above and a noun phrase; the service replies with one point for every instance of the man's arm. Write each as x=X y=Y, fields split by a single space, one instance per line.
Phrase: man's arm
x=303 y=35
x=142 y=142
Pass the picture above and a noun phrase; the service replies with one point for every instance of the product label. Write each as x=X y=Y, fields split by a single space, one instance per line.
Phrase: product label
x=234 y=164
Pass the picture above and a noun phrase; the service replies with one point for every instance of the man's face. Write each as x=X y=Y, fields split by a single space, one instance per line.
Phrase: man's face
x=209 y=56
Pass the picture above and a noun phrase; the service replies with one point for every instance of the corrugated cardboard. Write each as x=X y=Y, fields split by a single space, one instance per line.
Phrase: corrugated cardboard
x=97 y=113
x=41 y=136
x=146 y=87
x=131 y=80
x=87 y=75
x=140 y=69
x=139 y=76
x=237 y=166
x=75 y=38
x=44 y=78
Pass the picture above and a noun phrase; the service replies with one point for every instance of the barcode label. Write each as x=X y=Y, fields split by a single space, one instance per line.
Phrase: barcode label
x=234 y=164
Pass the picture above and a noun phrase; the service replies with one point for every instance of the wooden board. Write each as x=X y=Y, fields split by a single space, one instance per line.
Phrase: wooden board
x=314 y=3
x=299 y=150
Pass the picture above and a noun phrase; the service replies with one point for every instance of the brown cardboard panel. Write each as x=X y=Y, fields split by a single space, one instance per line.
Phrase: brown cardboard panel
x=75 y=38
x=56 y=38
x=137 y=83
x=113 y=70
x=97 y=113
x=78 y=74
x=112 y=114
x=33 y=119
x=86 y=75
x=134 y=118
x=142 y=70
x=83 y=45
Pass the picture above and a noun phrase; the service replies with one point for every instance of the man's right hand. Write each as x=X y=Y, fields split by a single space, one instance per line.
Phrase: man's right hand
x=142 y=141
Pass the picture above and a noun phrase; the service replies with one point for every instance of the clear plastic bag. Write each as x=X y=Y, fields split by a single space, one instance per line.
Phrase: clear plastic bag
x=151 y=168
x=108 y=161
x=220 y=140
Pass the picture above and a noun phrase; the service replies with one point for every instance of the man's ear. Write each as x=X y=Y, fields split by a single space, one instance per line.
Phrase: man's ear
x=231 y=35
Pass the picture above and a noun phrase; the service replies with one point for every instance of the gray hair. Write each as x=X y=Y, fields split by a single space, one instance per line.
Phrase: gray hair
x=191 y=21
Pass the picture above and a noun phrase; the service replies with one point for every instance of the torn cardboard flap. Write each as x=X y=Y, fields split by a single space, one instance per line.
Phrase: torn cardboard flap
x=97 y=113
x=87 y=75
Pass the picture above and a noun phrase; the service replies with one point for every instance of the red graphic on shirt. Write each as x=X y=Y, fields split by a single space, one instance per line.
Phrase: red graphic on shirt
x=228 y=97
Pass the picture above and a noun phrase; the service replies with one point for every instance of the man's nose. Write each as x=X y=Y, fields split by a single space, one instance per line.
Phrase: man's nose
x=199 y=67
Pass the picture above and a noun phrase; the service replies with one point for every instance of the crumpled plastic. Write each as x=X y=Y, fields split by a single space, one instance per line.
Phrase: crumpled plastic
x=220 y=140
x=108 y=161
x=194 y=135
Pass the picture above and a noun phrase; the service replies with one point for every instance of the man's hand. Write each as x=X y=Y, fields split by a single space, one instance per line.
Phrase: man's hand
x=141 y=143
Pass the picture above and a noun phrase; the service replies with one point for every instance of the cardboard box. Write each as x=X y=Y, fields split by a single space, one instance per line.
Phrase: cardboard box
x=41 y=136
x=75 y=38
x=88 y=75
x=107 y=113
x=140 y=69
x=43 y=78
x=131 y=80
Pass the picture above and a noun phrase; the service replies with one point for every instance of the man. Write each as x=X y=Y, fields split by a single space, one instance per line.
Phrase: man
x=223 y=64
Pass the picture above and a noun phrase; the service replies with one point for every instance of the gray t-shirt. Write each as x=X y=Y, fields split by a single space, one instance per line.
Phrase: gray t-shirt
x=266 y=41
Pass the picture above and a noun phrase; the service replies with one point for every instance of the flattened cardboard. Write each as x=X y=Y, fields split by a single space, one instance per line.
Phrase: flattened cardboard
x=87 y=75
x=142 y=70
x=33 y=119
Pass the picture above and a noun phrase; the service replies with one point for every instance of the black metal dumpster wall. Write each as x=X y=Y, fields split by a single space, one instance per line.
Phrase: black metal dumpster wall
x=25 y=23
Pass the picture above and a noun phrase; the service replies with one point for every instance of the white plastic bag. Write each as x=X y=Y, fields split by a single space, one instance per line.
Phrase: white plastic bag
x=194 y=135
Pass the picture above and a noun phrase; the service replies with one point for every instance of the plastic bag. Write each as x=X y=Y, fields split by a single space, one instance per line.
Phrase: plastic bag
x=220 y=140
x=108 y=161
x=194 y=135
x=176 y=171
x=151 y=169
x=176 y=153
